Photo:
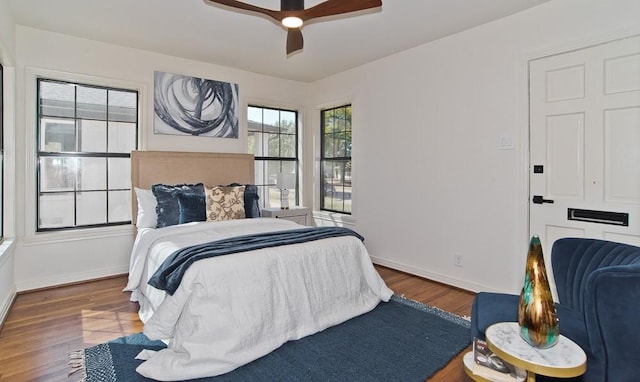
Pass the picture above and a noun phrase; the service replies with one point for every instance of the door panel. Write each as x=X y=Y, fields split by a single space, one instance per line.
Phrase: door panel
x=622 y=74
x=565 y=164
x=622 y=139
x=565 y=83
x=585 y=133
x=622 y=238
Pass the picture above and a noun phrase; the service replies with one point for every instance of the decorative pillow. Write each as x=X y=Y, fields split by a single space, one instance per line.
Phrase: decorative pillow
x=251 y=200
x=167 y=210
x=191 y=207
x=146 y=208
x=225 y=203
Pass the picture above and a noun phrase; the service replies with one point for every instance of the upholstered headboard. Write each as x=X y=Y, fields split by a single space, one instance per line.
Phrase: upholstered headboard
x=172 y=167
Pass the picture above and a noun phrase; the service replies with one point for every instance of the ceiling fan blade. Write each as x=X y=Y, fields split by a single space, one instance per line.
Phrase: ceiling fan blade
x=295 y=41
x=276 y=15
x=336 y=7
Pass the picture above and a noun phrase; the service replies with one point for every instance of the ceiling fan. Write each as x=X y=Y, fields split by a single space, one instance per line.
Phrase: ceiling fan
x=292 y=14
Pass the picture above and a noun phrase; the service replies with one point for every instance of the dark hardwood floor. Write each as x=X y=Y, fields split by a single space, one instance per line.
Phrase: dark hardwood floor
x=44 y=326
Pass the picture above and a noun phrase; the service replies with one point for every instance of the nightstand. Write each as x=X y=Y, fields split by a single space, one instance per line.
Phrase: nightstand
x=300 y=215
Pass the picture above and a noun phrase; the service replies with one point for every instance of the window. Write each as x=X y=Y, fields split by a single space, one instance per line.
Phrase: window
x=85 y=137
x=335 y=161
x=273 y=140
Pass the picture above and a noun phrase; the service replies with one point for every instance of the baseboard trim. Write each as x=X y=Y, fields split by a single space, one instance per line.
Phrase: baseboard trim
x=6 y=307
x=434 y=276
x=74 y=278
x=71 y=283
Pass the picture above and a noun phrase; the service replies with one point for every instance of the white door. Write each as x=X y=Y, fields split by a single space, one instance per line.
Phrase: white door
x=585 y=144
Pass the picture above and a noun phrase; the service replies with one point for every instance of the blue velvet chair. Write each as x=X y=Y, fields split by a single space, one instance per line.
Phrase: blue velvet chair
x=598 y=285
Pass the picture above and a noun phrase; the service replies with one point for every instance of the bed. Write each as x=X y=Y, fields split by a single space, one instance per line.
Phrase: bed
x=230 y=310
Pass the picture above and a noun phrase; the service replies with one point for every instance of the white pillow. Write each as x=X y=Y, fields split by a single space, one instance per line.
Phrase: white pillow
x=147 y=217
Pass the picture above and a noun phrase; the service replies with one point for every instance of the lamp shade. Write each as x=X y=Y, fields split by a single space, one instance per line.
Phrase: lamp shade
x=286 y=181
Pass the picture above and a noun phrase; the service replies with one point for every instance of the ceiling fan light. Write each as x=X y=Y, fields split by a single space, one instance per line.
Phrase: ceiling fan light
x=292 y=22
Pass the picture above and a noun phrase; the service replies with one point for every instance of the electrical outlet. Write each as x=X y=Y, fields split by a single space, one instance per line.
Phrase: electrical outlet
x=457 y=260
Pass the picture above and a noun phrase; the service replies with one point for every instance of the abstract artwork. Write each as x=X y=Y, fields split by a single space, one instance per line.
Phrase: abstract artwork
x=185 y=105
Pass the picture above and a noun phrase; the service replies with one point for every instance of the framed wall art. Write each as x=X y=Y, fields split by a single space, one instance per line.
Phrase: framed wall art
x=185 y=105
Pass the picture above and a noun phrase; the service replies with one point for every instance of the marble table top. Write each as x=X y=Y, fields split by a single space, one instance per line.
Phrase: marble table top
x=564 y=359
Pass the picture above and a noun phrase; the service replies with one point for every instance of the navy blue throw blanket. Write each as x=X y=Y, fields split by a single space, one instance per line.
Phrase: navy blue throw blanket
x=169 y=275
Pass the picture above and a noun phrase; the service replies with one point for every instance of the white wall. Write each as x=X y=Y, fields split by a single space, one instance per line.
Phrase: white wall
x=52 y=258
x=7 y=248
x=430 y=179
x=7 y=34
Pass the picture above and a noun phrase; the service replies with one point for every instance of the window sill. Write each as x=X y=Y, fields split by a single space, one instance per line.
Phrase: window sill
x=333 y=218
x=40 y=238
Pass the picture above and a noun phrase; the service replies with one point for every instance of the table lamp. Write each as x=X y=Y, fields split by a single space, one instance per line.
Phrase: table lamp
x=285 y=183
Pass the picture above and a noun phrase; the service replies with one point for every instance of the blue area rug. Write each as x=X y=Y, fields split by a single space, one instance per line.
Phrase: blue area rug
x=401 y=340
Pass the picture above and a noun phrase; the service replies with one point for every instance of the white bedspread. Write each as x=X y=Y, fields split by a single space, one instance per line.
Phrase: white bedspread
x=230 y=310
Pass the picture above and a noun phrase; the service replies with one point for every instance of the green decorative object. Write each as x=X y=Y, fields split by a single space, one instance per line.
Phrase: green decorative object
x=537 y=314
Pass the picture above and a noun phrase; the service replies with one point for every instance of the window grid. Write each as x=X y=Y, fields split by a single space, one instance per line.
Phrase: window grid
x=63 y=119
x=335 y=161
x=273 y=140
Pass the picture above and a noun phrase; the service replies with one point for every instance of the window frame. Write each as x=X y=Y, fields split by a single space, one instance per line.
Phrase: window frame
x=88 y=83
x=335 y=159
x=264 y=188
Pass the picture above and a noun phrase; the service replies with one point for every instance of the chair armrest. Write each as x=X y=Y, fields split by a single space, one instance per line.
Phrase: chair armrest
x=575 y=259
x=611 y=309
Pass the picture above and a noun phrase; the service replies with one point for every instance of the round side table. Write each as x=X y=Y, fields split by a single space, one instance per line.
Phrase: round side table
x=563 y=360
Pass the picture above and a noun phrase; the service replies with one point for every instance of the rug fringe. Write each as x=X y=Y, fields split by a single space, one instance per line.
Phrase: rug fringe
x=77 y=363
x=463 y=320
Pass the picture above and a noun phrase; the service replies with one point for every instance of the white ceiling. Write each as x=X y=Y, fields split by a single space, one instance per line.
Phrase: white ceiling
x=198 y=30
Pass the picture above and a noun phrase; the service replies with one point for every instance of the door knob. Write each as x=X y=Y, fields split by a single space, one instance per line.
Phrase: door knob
x=538 y=199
